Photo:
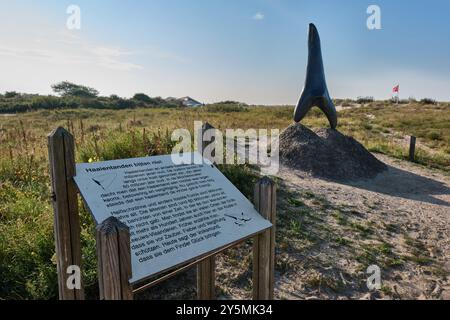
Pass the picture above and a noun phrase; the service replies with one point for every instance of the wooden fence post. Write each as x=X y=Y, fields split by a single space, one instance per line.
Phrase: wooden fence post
x=61 y=150
x=114 y=260
x=206 y=137
x=206 y=276
x=264 y=243
x=412 y=149
x=206 y=279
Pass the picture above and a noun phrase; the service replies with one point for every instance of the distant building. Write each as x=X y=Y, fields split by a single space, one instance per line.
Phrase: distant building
x=185 y=101
x=189 y=102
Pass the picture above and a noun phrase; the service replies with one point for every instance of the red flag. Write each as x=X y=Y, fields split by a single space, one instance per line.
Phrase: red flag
x=396 y=89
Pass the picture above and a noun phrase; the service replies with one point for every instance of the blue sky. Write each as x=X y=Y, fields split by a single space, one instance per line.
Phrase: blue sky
x=253 y=51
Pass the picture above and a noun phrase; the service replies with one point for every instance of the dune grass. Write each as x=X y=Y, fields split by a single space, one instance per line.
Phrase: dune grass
x=27 y=261
x=27 y=252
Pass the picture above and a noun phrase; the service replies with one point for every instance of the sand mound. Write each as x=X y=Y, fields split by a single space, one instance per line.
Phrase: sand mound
x=327 y=153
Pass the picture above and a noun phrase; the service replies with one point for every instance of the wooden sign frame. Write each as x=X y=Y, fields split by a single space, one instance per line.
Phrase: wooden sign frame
x=113 y=237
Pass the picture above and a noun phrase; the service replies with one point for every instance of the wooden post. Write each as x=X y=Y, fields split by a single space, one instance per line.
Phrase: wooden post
x=206 y=279
x=412 y=149
x=264 y=243
x=61 y=152
x=206 y=276
x=206 y=139
x=114 y=260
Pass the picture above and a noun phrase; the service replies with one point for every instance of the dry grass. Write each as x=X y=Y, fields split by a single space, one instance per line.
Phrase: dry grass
x=380 y=127
x=26 y=236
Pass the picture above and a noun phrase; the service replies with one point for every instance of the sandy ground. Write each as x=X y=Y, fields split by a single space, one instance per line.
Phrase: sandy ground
x=414 y=203
x=329 y=232
x=354 y=105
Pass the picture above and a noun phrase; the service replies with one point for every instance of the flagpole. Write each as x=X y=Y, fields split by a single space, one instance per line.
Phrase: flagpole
x=396 y=91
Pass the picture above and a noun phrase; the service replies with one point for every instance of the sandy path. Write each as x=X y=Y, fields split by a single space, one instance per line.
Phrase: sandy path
x=328 y=233
x=413 y=202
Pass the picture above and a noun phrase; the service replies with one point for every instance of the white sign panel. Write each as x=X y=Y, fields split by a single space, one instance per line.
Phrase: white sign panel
x=175 y=212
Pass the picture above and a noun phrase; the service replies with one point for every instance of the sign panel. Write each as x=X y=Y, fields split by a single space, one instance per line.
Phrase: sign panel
x=175 y=212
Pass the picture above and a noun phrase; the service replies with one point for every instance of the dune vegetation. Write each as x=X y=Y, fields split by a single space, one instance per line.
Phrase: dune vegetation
x=27 y=259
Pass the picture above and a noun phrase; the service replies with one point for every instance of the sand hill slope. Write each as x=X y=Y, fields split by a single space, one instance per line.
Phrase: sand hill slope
x=327 y=153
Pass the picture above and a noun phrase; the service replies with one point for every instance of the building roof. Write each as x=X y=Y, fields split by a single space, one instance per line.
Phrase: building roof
x=187 y=101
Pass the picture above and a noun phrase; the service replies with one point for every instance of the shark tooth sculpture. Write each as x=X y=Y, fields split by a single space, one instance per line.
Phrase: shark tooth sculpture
x=315 y=91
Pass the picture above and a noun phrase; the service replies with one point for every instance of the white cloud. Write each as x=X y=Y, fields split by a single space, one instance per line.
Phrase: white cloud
x=37 y=52
x=258 y=16
x=63 y=48
x=158 y=53
x=111 y=57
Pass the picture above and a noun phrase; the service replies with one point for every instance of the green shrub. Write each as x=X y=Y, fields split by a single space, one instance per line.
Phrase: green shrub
x=11 y=94
x=428 y=101
x=142 y=97
x=224 y=108
x=23 y=103
x=364 y=100
x=434 y=135
x=26 y=234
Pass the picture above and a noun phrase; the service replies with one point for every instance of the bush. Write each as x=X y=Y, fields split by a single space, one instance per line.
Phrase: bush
x=142 y=97
x=364 y=100
x=68 y=89
x=225 y=108
x=232 y=102
x=428 y=101
x=122 y=104
x=434 y=136
x=11 y=94
x=401 y=101
x=75 y=96
x=47 y=102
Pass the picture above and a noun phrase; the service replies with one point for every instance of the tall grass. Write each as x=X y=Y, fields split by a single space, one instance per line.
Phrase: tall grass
x=27 y=250
x=26 y=233
x=27 y=261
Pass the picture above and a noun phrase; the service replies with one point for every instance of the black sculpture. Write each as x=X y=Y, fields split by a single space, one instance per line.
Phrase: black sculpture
x=315 y=92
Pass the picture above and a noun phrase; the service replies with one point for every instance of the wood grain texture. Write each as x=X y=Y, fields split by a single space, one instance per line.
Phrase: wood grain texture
x=114 y=260
x=61 y=149
x=412 y=149
x=125 y=260
x=264 y=243
x=207 y=136
x=206 y=279
x=206 y=276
